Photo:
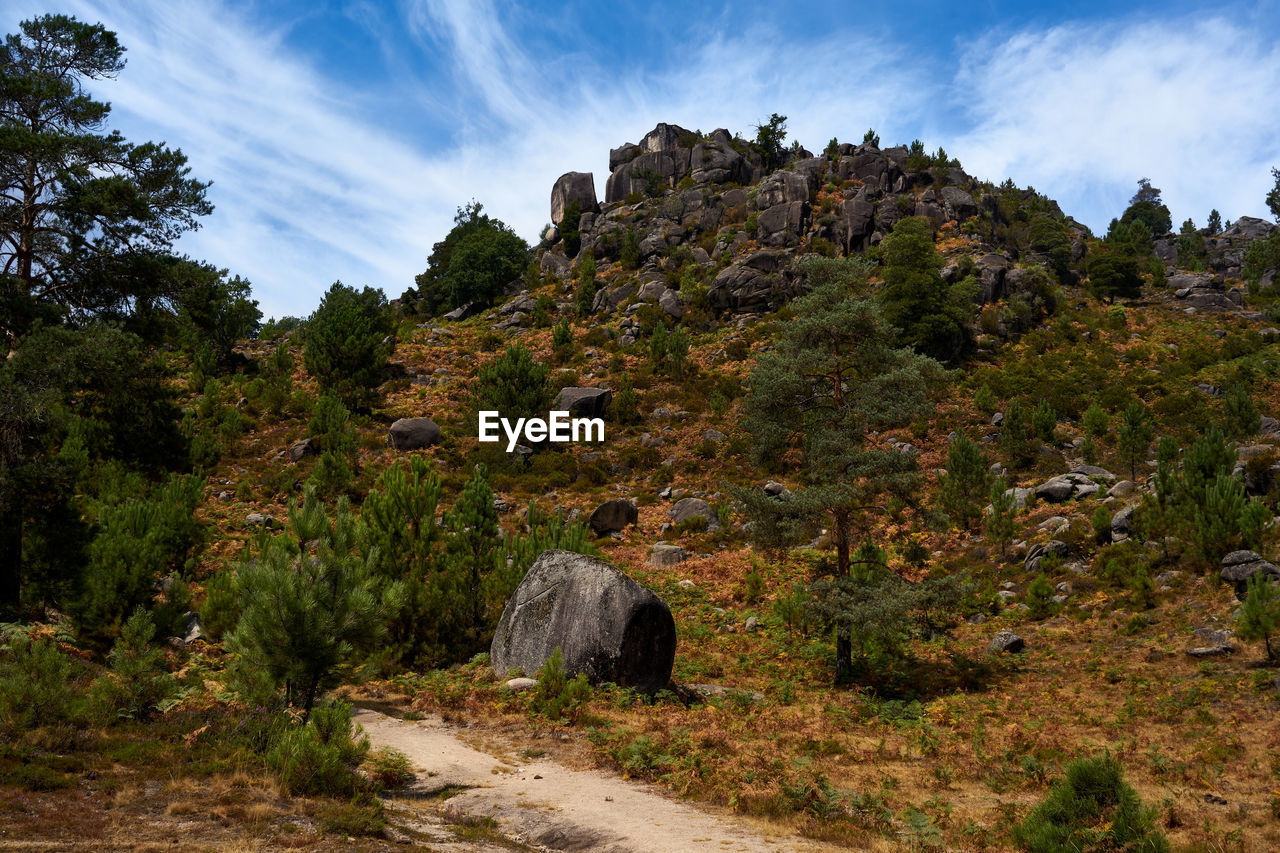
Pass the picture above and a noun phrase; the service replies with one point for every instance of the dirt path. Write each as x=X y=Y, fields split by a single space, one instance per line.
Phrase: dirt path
x=545 y=805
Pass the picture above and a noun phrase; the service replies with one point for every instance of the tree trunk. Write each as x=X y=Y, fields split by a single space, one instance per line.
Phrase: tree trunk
x=844 y=631
x=11 y=557
x=311 y=698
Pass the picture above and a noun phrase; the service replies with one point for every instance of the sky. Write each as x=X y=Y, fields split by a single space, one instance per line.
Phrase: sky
x=341 y=137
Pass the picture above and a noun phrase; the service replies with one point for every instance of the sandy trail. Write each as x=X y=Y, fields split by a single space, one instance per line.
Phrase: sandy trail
x=546 y=805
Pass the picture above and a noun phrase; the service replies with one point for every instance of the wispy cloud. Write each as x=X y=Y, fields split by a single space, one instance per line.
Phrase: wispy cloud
x=1083 y=112
x=317 y=179
x=310 y=188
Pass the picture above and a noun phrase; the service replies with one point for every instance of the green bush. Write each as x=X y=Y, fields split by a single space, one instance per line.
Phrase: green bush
x=932 y=315
x=586 y=294
x=343 y=343
x=514 y=384
x=388 y=767
x=1039 y=599
x=1044 y=421
x=626 y=403
x=320 y=756
x=35 y=685
x=1259 y=617
x=139 y=682
x=306 y=613
x=1095 y=420
x=556 y=696
x=139 y=541
x=1091 y=809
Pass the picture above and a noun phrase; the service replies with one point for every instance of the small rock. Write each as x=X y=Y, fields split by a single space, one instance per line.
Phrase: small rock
x=665 y=554
x=516 y=685
x=752 y=624
x=1007 y=641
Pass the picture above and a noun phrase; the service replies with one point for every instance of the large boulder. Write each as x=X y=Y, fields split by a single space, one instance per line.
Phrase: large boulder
x=715 y=161
x=613 y=517
x=583 y=402
x=958 y=203
x=413 y=434
x=755 y=283
x=571 y=187
x=605 y=624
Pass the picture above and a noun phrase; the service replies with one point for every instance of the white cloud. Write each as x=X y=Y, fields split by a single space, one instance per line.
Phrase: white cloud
x=309 y=188
x=316 y=180
x=1083 y=112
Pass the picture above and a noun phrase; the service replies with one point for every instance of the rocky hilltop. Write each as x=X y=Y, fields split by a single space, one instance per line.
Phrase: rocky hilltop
x=707 y=203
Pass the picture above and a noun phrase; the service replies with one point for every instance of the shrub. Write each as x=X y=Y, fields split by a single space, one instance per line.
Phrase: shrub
x=556 y=696
x=1017 y=437
x=1039 y=598
x=514 y=384
x=1240 y=416
x=1001 y=520
x=319 y=757
x=343 y=343
x=1095 y=420
x=1092 y=808
x=35 y=684
x=626 y=403
x=304 y=613
x=586 y=295
x=139 y=681
x=388 y=767
x=140 y=540
x=932 y=315
x=1044 y=421
x=562 y=341
x=629 y=253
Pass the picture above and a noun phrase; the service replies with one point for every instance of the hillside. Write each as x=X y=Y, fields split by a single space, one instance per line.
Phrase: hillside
x=1096 y=377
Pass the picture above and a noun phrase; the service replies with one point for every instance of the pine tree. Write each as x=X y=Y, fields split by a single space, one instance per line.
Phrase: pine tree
x=1017 y=436
x=474 y=542
x=139 y=681
x=1240 y=416
x=307 y=613
x=586 y=296
x=1259 y=617
x=1001 y=520
x=836 y=375
x=1215 y=222
x=1134 y=436
x=514 y=384
x=399 y=530
x=85 y=214
x=344 y=344
x=931 y=314
x=965 y=485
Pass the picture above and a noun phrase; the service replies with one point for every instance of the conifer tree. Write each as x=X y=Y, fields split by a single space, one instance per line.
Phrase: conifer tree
x=837 y=374
x=344 y=344
x=1001 y=520
x=1259 y=617
x=965 y=485
x=1134 y=435
x=474 y=541
x=307 y=612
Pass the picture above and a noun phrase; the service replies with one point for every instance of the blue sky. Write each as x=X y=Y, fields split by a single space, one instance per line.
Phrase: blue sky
x=342 y=136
